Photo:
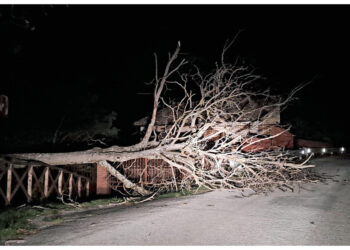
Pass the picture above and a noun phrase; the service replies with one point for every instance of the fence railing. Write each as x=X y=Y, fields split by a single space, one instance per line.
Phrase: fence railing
x=38 y=182
x=147 y=172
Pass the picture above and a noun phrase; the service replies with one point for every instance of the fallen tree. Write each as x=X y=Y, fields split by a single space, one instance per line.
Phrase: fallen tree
x=213 y=121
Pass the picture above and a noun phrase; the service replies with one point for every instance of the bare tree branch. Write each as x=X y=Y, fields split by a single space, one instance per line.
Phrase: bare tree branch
x=207 y=132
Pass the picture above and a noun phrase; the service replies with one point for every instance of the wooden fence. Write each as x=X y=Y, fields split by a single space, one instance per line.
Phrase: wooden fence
x=38 y=182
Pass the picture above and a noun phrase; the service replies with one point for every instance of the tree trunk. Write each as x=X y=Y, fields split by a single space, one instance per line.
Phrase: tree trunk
x=123 y=179
x=96 y=155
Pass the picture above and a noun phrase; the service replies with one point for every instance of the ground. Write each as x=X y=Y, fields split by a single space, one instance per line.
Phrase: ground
x=318 y=214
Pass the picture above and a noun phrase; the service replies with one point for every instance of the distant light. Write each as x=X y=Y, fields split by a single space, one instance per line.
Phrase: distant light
x=302 y=152
x=342 y=149
x=308 y=150
x=323 y=150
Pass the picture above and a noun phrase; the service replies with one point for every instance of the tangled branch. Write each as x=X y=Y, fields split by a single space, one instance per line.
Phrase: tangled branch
x=205 y=133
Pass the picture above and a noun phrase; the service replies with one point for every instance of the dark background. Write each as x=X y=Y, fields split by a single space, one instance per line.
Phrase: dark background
x=73 y=61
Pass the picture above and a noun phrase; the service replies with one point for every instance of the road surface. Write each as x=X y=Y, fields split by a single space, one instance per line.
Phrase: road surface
x=319 y=215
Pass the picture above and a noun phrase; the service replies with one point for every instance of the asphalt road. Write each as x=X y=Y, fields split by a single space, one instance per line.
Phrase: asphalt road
x=317 y=215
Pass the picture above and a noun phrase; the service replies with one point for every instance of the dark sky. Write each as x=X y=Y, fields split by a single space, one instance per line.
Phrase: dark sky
x=75 y=54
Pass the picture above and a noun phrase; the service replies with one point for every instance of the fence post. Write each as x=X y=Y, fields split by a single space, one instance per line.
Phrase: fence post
x=9 y=184
x=46 y=182
x=60 y=179
x=87 y=188
x=79 y=186
x=30 y=183
x=145 y=173
x=70 y=185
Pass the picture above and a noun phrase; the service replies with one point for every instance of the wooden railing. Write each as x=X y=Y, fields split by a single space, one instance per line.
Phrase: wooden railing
x=38 y=182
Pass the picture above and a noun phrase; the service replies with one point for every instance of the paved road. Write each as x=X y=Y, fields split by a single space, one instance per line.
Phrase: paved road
x=319 y=215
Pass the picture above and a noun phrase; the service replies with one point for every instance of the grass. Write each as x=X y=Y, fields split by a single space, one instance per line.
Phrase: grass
x=14 y=222
x=101 y=202
x=200 y=190
x=56 y=221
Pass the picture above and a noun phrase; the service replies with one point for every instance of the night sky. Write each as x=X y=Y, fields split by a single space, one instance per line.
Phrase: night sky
x=74 y=60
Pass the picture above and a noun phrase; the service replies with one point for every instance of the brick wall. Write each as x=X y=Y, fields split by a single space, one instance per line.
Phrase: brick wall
x=102 y=185
x=257 y=145
x=284 y=140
